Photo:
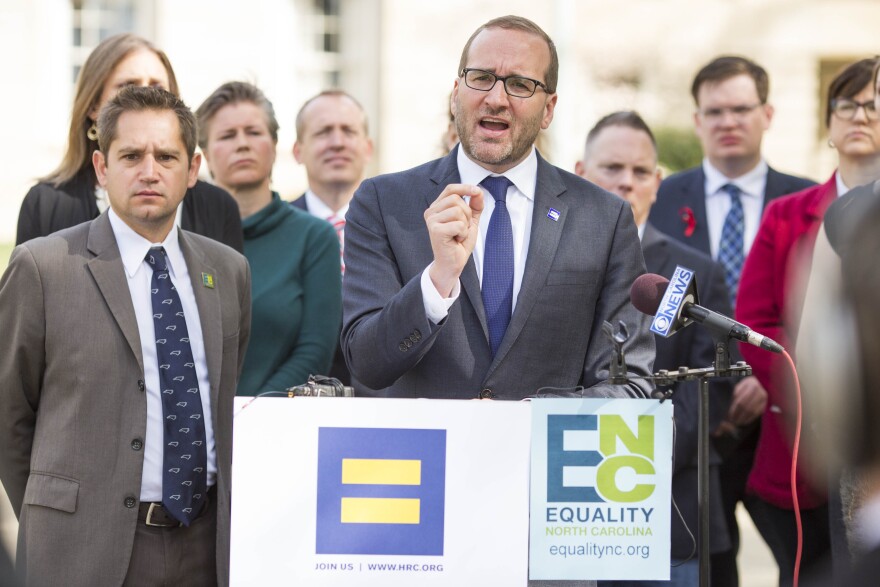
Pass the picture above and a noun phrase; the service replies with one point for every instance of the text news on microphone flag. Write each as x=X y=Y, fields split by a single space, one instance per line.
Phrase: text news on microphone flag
x=381 y=491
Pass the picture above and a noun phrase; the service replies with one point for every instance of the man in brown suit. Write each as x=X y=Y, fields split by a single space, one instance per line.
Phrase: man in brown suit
x=87 y=423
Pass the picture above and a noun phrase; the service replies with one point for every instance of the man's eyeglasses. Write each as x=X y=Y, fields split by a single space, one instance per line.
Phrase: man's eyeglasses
x=738 y=112
x=515 y=85
x=846 y=109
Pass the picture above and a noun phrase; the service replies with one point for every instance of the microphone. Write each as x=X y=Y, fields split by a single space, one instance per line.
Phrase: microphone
x=674 y=305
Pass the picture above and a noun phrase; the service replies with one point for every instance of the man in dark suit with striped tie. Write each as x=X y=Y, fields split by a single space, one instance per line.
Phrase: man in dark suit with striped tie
x=716 y=208
x=620 y=155
x=333 y=143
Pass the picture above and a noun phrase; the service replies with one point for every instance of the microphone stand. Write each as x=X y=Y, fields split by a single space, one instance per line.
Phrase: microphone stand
x=720 y=368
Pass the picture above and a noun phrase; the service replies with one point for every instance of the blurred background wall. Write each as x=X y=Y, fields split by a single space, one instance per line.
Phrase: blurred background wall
x=399 y=57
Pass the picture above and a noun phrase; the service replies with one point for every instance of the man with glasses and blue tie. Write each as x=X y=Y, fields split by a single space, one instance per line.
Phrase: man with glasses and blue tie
x=488 y=273
x=716 y=208
x=124 y=343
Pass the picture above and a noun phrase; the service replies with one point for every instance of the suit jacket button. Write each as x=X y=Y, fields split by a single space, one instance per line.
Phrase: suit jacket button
x=402 y=347
x=141 y=385
x=408 y=343
x=487 y=394
x=137 y=444
x=417 y=335
x=130 y=502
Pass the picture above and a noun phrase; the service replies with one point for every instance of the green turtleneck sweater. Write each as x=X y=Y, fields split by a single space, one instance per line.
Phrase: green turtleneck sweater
x=297 y=297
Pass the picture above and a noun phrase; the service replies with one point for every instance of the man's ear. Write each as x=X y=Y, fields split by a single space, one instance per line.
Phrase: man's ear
x=193 y=175
x=579 y=168
x=100 y=165
x=297 y=152
x=768 y=115
x=549 y=107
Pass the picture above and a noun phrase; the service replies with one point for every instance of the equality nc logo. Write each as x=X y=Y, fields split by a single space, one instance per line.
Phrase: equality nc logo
x=621 y=469
x=381 y=491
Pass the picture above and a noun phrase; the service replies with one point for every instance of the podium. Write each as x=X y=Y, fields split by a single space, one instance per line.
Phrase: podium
x=402 y=492
x=390 y=492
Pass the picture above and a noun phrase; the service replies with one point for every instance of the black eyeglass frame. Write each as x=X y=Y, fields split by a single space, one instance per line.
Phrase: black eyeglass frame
x=863 y=105
x=503 y=81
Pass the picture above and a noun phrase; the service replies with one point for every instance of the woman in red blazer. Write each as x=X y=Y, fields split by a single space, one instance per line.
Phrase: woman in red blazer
x=769 y=300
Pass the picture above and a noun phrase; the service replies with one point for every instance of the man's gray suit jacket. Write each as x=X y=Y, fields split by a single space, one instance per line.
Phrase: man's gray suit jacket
x=72 y=397
x=583 y=257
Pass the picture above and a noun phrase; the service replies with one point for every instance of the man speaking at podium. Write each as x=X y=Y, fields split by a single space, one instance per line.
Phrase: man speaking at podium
x=489 y=273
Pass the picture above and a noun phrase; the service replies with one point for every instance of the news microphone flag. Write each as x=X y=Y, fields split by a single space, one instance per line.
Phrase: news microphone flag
x=682 y=289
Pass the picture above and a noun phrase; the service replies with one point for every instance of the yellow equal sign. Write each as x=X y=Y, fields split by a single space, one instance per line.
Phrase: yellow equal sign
x=381 y=510
x=381 y=472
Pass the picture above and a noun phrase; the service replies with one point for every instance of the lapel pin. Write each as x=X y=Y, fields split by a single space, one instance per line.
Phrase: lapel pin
x=208 y=280
x=553 y=214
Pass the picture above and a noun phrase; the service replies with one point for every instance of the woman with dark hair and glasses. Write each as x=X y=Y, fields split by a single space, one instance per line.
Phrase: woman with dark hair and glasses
x=71 y=195
x=770 y=298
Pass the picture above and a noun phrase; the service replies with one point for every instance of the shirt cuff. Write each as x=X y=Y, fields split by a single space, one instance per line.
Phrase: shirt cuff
x=436 y=306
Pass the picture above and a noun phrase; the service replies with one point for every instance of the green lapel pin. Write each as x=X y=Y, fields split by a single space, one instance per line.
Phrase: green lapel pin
x=208 y=280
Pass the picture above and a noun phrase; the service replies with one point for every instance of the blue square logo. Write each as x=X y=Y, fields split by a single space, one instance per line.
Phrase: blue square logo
x=381 y=491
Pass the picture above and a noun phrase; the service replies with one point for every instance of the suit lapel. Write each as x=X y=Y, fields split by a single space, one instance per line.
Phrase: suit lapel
x=657 y=260
x=544 y=240
x=208 y=302
x=773 y=187
x=109 y=273
x=446 y=173
x=695 y=198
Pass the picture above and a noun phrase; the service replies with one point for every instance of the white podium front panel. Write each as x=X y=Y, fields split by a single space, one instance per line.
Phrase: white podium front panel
x=390 y=492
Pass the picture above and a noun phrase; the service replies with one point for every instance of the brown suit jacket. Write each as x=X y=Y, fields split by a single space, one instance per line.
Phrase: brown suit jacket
x=72 y=397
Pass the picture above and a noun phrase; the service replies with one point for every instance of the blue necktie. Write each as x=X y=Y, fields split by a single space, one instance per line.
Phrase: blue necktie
x=497 y=287
x=185 y=460
x=730 y=250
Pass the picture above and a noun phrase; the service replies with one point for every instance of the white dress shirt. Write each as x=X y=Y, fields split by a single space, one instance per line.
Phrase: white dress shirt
x=317 y=207
x=133 y=250
x=838 y=182
x=751 y=186
x=520 y=204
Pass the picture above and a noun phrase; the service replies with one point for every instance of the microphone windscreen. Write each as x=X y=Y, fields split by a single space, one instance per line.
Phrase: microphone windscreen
x=647 y=292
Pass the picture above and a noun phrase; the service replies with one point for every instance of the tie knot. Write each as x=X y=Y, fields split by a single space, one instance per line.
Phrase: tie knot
x=733 y=191
x=497 y=186
x=156 y=259
x=337 y=222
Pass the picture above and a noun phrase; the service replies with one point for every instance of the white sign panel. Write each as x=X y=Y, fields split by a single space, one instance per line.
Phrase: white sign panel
x=390 y=492
x=601 y=488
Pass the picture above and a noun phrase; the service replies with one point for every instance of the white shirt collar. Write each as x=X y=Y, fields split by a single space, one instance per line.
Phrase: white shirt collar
x=133 y=247
x=524 y=176
x=318 y=208
x=841 y=187
x=751 y=183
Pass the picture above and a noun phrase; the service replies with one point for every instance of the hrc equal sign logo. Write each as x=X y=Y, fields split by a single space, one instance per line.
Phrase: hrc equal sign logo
x=380 y=510
x=381 y=491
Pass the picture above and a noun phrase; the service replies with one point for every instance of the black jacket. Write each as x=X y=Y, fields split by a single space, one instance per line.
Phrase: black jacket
x=692 y=347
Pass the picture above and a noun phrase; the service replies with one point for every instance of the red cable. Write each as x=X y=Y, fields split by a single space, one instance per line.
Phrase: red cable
x=794 y=458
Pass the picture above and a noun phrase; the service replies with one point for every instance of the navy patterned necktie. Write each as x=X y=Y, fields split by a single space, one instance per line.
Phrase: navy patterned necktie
x=731 y=251
x=497 y=287
x=185 y=461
